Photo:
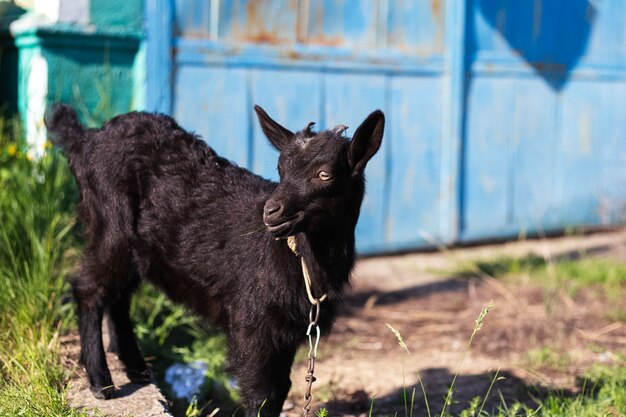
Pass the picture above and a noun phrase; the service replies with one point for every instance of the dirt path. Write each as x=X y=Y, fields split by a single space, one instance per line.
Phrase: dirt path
x=436 y=314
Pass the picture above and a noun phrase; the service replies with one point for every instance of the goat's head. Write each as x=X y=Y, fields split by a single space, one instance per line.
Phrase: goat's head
x=321 y=175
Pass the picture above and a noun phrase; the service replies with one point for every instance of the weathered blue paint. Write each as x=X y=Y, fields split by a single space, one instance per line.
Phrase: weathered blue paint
x=415 y=195
x=159 y=21
x=503 y=116
x=214 y=90
x=542 y=83
x=453 y=116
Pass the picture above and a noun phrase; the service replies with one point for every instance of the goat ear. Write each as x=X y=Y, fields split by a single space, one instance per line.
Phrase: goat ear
x=278 y=135
x=366 y=141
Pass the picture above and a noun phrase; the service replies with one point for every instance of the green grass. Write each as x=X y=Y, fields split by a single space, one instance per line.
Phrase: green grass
x=36 y=228
x=573 y=274
x=602 y=391
x=547 y=358
x=604 y=278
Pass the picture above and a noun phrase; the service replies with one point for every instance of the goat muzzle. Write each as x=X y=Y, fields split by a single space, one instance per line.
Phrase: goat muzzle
x=277 y=223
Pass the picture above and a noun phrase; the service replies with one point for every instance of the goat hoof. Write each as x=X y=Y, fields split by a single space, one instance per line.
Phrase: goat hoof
x=139 y=376
x=103 y=393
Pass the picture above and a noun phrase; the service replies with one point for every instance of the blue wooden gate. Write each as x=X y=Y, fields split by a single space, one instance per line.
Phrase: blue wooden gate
x=504 y=117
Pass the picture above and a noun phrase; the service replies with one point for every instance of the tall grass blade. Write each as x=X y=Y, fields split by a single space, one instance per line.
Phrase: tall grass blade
x=477 y=327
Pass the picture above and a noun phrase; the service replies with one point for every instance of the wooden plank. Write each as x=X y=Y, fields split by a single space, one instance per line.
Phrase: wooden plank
x=159 y=16
x=416 y=27
x=272 y=22
x=613 y=195
x=608 y=37
x=214 y=103
x=583 y=129
x=544 y=144
x=534 y=147
x=485 y=172
x=192 y=18
x=414 y=139
x=454 y=102
x=342 y=23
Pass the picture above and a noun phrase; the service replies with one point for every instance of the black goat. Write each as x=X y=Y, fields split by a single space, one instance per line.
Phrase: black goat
x=158 y=204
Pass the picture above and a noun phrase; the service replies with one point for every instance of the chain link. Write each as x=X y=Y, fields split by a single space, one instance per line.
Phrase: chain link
x=314 y=316
x=313 y=343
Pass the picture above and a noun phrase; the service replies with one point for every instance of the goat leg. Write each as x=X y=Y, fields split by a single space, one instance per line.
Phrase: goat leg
x=122 y=339
x=262 y=374
x=92 y=350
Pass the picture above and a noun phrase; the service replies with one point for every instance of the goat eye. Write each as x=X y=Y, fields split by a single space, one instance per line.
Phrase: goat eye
x=324 y=175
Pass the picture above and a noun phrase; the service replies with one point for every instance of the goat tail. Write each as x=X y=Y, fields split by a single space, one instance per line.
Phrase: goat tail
x=64 y=128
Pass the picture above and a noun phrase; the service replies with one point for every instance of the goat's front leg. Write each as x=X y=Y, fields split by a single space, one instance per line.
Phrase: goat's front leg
x=262 y=373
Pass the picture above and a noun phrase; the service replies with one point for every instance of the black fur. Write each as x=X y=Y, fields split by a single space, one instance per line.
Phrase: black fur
x=158 y=204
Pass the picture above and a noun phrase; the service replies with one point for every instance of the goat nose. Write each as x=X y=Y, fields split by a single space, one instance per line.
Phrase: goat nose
x=271 y=207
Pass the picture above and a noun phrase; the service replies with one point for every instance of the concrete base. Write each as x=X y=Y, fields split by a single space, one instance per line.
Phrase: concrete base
x=130 y=399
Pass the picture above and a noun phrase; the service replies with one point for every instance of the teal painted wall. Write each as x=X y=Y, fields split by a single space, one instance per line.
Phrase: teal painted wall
x=24 y=59
x=93 y=72
x=117 y=15
x=100 y=72
x=101 y=84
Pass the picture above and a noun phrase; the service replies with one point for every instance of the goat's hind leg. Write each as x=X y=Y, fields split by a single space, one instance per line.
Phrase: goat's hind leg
x=122 y=338
x=90 y=307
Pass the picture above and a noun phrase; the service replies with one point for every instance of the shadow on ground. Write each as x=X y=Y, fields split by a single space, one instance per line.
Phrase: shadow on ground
x=459 y=282
x=416 y=292
x=507 y=389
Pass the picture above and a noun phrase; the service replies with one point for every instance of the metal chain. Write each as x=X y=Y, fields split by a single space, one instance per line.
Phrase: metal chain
x=314 y=316
x=310 y=378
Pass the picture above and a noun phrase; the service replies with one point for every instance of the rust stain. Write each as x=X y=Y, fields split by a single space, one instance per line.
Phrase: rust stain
x=316 y=35
x=255 y=27
x=294 y=55
x=399 y=40
x=435 y=6
x=319 y=17
x=325 y=40
x=302 y=21
x=291 y=54
x=419 y=51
